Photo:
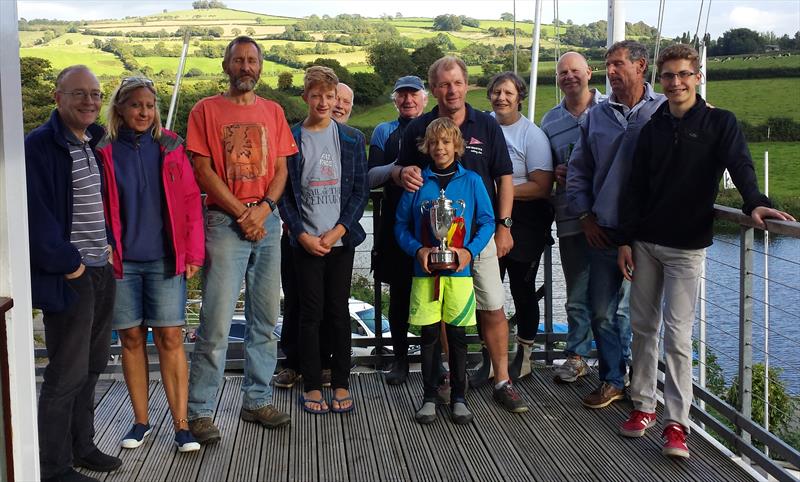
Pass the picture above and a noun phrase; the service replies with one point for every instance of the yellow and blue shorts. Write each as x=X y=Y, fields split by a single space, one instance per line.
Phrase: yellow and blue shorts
x=455 y=303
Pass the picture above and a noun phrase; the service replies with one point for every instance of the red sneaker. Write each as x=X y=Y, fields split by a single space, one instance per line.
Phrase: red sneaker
x=675 y=441
x=637 y=423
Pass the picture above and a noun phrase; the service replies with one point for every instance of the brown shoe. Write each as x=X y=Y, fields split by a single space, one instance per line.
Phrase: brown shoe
x=204 y=430
x=268 y=416
x=603 y=396
x=286 y=378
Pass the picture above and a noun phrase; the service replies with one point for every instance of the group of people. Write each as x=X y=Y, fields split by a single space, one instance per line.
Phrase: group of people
x=117 y=226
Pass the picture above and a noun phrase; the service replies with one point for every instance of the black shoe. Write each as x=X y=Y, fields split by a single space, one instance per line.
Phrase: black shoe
x=70 y=475
x=399 y=372
x=97 y=461
x=480 y=375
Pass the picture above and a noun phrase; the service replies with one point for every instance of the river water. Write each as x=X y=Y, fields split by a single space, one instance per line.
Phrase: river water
x=722 y=306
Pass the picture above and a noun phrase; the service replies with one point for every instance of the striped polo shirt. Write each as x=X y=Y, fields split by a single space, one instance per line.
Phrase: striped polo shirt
x=88 y=220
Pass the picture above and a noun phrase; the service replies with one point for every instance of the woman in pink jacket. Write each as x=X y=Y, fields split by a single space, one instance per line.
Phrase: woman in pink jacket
x=153 y=206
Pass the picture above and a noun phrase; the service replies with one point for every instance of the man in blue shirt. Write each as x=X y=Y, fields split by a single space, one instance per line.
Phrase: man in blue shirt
x=598 y=168
x=485 y=153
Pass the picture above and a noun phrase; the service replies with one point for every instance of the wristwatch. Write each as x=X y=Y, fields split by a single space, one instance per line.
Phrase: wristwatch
x=507 y=222
x=272 y=205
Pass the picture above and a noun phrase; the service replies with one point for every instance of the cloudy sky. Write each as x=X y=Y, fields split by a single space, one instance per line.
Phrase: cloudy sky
x=779 y=16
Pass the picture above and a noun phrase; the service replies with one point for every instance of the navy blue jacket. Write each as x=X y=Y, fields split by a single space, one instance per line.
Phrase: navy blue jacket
x=48 y=168
x=355 y=188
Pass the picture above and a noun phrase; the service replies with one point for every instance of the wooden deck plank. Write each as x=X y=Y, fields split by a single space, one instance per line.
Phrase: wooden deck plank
x=217 y=458
x=274 y=461
x=380 y=420
x=557 y=439
x=420 y=460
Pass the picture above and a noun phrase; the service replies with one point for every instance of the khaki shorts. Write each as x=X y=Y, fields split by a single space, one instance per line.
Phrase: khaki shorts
x=455 y=304
x=489 y=292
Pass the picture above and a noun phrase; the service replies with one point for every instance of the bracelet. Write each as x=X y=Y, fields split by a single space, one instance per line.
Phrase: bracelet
x=584 y=216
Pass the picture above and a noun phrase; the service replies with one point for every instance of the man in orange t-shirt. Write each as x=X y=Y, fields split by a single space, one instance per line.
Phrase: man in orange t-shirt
x=239 y=143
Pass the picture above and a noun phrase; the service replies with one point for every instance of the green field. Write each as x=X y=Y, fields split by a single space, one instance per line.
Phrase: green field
x=102 y=63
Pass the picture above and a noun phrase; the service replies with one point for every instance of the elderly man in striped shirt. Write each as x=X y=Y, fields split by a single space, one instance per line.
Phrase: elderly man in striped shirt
x=71 y=276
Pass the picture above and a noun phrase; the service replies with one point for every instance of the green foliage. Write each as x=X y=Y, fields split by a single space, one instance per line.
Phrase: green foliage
x=285 y=80
x=292 y=32
x=507 y=16
x=207 y=4
x=37 y=89
x=739 y=41
x=362 y=289
x=423 y=57
x=368 y=88
x=781 y=406
x=390 y=61
x=341 y=72
x=450 y=23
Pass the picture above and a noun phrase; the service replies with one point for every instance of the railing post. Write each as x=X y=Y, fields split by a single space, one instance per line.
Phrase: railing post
x=745 y=326
x=378 y=292
x=702 y=348
x=548 y=302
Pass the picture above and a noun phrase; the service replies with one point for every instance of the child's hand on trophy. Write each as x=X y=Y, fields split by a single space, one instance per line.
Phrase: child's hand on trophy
x=463 y=257
x=422 y=256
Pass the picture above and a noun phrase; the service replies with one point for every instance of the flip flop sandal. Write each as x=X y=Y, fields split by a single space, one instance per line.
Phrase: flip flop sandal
x=340 y=401
x=315 y=411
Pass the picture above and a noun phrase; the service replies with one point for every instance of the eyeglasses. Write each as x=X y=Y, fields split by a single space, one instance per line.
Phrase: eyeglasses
x=83 y=95
x=136 y=80
x=683 y=74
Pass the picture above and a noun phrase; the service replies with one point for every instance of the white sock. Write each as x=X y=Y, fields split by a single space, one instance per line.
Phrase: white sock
x=500 y=385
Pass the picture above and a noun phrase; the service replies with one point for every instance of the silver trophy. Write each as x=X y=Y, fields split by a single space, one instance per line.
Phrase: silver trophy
x=441 y=212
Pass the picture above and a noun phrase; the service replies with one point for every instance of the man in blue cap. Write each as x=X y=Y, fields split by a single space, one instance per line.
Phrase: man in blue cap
x=390 y=264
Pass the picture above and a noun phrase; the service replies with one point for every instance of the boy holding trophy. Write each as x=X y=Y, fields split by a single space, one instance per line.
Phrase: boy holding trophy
x=443 y=225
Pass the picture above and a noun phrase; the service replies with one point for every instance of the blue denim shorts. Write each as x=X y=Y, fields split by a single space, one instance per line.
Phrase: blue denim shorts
x=150 y=294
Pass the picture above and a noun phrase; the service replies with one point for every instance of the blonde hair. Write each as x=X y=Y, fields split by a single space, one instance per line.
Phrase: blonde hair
x=318 y=74
x=121 y=95
x=446 y=128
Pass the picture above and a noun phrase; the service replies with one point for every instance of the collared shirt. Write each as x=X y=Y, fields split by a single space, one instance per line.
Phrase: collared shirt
x=601 y=161
x=485 y=150
x=88 y=233
x=563 y=130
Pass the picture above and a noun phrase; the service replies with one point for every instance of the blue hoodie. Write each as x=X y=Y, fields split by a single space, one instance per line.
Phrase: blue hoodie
x=478 y=217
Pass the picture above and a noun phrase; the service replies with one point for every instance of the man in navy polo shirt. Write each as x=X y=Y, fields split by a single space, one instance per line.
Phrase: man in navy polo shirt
x=486 y=154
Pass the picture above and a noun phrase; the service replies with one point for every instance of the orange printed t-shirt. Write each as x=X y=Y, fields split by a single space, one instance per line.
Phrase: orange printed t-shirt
x=242 y=141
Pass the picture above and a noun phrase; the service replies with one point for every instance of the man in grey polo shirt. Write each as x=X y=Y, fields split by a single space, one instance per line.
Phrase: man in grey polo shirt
x=598 y=167
x=71 y=276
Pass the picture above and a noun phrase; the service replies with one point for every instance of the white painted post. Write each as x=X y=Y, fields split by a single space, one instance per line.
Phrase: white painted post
x=14 y=257
x=534 y=61
x=173 y=103
x=766 y=307
x=616 y=28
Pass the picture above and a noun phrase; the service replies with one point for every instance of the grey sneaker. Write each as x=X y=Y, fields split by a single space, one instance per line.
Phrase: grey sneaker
x=268 y=416
x=509 y=398
x=204 y=430
x=572 y=369
x=286 y=378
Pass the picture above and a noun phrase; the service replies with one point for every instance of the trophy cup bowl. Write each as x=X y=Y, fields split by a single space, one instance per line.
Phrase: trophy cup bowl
x=441 y=213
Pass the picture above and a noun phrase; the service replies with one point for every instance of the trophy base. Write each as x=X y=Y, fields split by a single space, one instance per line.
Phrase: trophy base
x=442 y=260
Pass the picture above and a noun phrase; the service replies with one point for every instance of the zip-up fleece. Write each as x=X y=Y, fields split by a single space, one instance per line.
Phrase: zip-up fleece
x=184 y=211
x=677 y=167
x=478 y=218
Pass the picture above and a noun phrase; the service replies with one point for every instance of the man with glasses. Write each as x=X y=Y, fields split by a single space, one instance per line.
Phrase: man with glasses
x=666 y=220
x=239 y=143
x=597 y=172
x=71 y=276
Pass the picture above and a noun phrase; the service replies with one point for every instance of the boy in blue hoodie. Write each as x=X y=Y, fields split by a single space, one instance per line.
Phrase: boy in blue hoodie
x=446 y=295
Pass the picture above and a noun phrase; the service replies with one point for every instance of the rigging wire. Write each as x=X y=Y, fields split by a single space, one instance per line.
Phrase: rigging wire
x=658 y=41
x=695 y=40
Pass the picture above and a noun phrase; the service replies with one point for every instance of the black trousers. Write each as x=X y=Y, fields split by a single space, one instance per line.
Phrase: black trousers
x=522 y=281
x=78 y=341
x=290 y=331
x=325 y=282
x=399 y=300
x=431 y=360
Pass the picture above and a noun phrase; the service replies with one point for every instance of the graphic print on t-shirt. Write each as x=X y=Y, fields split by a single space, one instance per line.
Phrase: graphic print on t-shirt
x=323 y=183
x=245 y=153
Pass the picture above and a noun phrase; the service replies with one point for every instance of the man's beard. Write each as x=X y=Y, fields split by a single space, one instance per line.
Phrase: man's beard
x=244 y=85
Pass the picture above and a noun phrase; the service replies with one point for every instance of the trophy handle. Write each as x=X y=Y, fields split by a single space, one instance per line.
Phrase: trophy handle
x=425 y=206
x=463 y=205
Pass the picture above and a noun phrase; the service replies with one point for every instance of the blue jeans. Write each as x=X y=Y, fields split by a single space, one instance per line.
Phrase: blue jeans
x=611 y=323
x=230 y=259
x=574 y=252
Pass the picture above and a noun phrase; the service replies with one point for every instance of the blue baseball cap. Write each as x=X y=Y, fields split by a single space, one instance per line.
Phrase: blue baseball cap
x=408 y=82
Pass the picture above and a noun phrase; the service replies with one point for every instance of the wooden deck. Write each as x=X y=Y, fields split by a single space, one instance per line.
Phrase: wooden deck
x=557 y=439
